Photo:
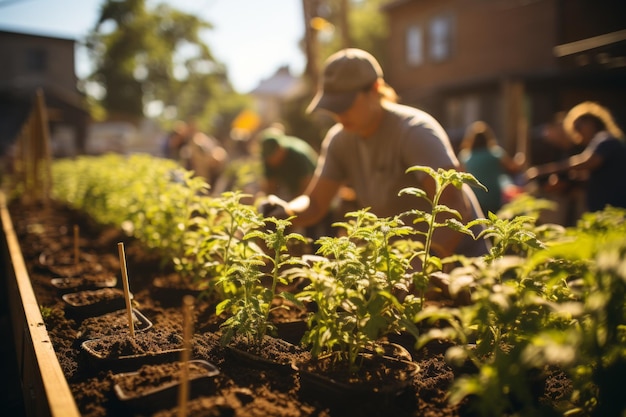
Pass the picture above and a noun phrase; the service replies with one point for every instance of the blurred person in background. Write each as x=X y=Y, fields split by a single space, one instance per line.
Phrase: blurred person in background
x=175 y=140
x=373 y=143
x=288 y=163
x=485 y=159
x=566 y=188
x=603 y=158
x=203 y=154
x=288 y=166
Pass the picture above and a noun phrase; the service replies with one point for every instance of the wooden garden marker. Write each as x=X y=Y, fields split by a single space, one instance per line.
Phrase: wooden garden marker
x=129 y=309
x=183 y=392
x=75 y=244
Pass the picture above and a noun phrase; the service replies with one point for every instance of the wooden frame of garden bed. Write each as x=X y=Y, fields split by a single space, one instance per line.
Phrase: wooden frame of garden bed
x=44 y=386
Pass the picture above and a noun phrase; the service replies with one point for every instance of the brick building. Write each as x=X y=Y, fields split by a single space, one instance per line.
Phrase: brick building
x=512 y=63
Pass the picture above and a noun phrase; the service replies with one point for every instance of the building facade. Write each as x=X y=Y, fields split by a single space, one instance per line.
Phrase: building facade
x=511 y=63
x=32 y=62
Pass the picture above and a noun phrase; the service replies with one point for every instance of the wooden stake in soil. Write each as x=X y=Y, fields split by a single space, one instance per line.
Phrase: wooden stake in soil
x=75 y=244
x=129 y=309
x=183 y=393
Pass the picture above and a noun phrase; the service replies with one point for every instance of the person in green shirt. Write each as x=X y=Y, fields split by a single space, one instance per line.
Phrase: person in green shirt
x=288 y=163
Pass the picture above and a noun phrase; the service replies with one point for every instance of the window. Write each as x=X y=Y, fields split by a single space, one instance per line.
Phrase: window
x=440 y=38
x=36 y=60
x=414 y=45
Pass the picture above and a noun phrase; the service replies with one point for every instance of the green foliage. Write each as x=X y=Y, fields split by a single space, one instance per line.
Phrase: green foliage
x=249 y=301
x=353 y=286
x=544 y=298
x=439 y=216
x=367 y=28
x=525 y=205
x=46 y=313
x=137 y=51
x=508 y=235
x=51 y=316
x=150 y=198
x=222 y=248
x=552 y=304
x=592 y=350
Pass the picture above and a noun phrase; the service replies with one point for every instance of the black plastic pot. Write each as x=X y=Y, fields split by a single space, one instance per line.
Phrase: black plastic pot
x=66 y=266
x=88 y=303
x=112 y=323
x=73 y=284
x=171 y=293
x=350 y=393
x=257 y=361
x=291 y=331
x=201 y=382
x=262 y=359
x=100 y=359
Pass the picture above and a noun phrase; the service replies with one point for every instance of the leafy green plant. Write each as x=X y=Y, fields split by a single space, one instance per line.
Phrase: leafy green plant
x=150 y=198
x=546 y=304
x=592 y=350
x=545 y=297
x=46 y=313
x=352 y=286
x=217 y=245
x=510 y=306
x=439 y=216
x=508 y=236
x=251 y=304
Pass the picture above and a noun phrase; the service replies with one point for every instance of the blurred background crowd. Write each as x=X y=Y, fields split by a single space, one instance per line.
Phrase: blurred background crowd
x=500 y=76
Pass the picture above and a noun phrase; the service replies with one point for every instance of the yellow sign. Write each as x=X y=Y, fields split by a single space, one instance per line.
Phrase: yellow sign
x=247 y=120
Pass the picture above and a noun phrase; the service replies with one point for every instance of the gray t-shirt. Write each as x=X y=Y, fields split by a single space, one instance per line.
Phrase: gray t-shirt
x=375 y=167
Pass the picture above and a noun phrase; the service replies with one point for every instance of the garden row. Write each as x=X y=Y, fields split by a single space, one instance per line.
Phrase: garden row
x=545 y=298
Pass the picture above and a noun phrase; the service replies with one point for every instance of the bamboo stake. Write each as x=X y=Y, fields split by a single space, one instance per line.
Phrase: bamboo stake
x=183 y=392
x=75 y=244
x=129 y=310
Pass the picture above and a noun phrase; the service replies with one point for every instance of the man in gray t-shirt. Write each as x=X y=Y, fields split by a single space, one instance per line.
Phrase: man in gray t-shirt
x=372 y=145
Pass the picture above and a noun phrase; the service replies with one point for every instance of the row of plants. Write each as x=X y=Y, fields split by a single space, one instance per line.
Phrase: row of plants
x=544 y=297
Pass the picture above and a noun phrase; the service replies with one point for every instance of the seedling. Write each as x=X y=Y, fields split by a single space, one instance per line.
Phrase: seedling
x=440 y=216
x=353 y=285
x=250 y=301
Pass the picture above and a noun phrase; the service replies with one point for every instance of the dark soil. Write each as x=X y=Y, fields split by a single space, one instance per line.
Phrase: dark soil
x=148 y=382
x=242 y=388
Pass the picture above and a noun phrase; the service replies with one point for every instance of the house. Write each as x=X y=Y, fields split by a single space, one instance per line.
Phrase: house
x=511 y=63
x=272 y=93
x=32 y=62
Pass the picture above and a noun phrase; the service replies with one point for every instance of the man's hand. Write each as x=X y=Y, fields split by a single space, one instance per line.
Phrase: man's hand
x=274 y=206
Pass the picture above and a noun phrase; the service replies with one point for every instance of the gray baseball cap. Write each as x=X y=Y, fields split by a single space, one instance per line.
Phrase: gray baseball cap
x=346 y=73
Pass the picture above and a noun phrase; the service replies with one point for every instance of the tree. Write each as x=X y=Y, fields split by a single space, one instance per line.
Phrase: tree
x=357 y=24
x=155 y=58
x=331 y=25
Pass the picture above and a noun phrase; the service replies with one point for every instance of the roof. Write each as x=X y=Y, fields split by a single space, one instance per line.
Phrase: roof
x=282 y=84
x=33 y=33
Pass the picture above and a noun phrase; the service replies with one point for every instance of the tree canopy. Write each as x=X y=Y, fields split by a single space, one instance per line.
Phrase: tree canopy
x=155 y=61
x=359 y=25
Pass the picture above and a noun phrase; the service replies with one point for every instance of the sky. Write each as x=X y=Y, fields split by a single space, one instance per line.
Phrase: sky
x=253 y=38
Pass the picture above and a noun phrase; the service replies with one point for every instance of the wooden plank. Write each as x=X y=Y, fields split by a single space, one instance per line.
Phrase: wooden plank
x=45 y=387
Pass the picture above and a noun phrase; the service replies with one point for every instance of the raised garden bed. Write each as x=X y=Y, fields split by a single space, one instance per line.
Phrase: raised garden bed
x=66 y=383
